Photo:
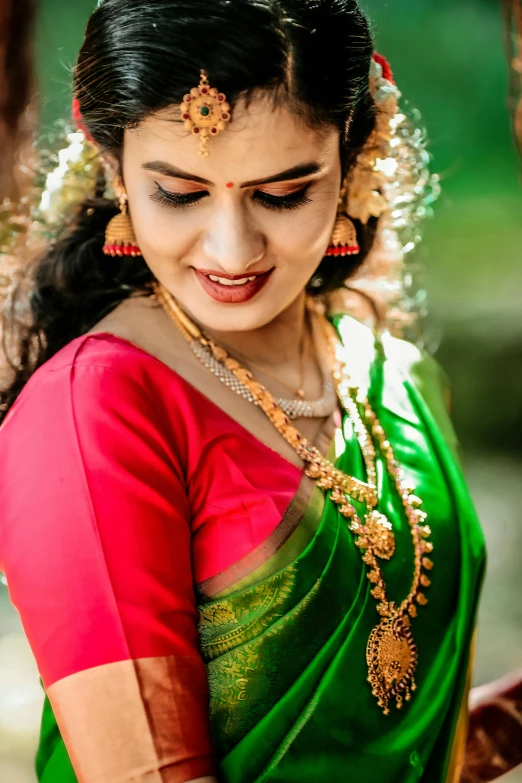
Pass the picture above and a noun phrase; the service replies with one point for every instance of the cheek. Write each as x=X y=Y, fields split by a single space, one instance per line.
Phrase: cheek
x=160 y=231
x=302 y=237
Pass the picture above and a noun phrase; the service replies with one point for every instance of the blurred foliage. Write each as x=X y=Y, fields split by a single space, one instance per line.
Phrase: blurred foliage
x=449 y=61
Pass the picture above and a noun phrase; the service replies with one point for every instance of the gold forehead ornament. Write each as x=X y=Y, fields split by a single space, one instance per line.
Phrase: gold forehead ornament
x=205 y=112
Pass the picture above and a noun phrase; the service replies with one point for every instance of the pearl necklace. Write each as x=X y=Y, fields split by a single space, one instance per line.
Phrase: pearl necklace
x=391 y=653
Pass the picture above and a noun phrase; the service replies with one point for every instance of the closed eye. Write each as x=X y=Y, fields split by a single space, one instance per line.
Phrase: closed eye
x=289 y=201
x=268 y=200
x=170 y=199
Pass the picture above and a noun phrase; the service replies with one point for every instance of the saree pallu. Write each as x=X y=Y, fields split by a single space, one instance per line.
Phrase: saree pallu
x=285 y=648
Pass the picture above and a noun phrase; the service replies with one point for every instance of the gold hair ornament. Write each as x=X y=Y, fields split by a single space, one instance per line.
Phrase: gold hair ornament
x=205 y=112
x=364 y=192
x=367 y=190
x=390 y=181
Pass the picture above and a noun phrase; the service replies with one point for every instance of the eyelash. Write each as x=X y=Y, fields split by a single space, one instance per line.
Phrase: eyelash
x=182 y=200
x=292 y=201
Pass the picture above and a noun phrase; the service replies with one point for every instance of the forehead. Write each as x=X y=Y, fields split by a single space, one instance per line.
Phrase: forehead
x=261 y=140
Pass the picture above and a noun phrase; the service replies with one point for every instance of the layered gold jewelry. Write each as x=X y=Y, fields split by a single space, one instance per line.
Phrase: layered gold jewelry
x=391 y=653
x=299 y=392
x=299 y=408
x=293 y=408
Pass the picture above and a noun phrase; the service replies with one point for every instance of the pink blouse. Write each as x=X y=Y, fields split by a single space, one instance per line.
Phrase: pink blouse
x=122 y=487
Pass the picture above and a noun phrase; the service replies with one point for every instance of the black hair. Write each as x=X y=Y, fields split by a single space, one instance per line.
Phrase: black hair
x=141 y=56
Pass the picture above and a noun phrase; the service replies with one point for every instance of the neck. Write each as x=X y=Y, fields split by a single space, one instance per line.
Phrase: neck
x=274 y=344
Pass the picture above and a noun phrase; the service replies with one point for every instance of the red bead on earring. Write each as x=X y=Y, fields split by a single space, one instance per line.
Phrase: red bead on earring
x=344 y=238
x=119 y=234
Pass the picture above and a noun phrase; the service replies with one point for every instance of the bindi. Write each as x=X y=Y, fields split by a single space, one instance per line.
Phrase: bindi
x=230 y=184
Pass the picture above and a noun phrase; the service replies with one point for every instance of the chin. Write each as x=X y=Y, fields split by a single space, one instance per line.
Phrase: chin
x=243 y=317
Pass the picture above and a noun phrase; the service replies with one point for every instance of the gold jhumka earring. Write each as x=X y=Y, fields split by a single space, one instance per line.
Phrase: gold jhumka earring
x=344 y=237
x=120 y=239
x=205 y=112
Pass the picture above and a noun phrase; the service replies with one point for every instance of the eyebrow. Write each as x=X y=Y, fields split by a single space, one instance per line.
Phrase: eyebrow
x=160 y=167
x=296 y=172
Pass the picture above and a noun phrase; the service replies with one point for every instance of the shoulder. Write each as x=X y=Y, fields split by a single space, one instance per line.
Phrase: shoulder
x=101 y=381
x=407 y=369
x=95 y=363
x=102 y=351
x=360 y=346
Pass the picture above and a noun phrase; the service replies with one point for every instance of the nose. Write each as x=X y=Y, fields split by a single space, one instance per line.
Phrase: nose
x=232 y=243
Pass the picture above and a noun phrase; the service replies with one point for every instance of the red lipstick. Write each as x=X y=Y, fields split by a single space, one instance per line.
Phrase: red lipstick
x=231 y=294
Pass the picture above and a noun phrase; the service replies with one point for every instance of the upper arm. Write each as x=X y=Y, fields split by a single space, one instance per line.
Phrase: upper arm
x=96 y=549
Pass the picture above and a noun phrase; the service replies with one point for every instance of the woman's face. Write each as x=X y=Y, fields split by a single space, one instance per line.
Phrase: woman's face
x=236 y=236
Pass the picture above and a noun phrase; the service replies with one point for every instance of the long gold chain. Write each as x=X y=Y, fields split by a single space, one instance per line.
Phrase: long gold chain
x=391 y=652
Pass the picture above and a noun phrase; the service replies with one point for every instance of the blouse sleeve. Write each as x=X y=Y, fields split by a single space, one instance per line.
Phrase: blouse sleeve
x=95 y=545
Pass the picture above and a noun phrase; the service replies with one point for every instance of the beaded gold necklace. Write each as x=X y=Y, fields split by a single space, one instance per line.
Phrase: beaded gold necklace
x=391 y=653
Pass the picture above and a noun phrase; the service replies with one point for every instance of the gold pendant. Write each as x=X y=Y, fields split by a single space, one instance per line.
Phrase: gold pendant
x=391 y=656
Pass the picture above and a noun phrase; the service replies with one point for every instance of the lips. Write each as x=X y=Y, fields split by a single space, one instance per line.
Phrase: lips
x=232 y=292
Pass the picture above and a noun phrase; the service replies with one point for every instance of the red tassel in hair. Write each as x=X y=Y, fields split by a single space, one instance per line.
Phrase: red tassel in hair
x=385 y=65
x=79 y=121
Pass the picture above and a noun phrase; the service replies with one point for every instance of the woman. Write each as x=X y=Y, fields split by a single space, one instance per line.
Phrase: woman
x=219 y=506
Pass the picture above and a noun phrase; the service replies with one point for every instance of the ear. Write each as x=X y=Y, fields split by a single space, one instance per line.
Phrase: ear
x=111 y=165
x=113 y=174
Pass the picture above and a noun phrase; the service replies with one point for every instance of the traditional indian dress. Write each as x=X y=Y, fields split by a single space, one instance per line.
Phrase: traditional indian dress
x=197 y=605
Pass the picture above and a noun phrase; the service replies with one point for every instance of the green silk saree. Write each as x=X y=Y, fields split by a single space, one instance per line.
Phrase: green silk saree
x=285 y=641
x=285 y=648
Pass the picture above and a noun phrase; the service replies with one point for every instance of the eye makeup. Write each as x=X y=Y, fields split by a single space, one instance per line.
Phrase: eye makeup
x=292 y=200
x=171 y=199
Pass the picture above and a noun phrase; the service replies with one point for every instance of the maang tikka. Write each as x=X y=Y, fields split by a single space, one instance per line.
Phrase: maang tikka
x=205 y=112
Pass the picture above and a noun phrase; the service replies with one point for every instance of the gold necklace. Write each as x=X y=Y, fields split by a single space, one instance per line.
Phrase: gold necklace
x=299 y=392
x=366 y=492
x=294 y=408
x=391 y=653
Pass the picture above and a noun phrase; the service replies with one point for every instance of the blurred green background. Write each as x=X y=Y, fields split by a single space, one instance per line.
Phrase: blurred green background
x=449 y=61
